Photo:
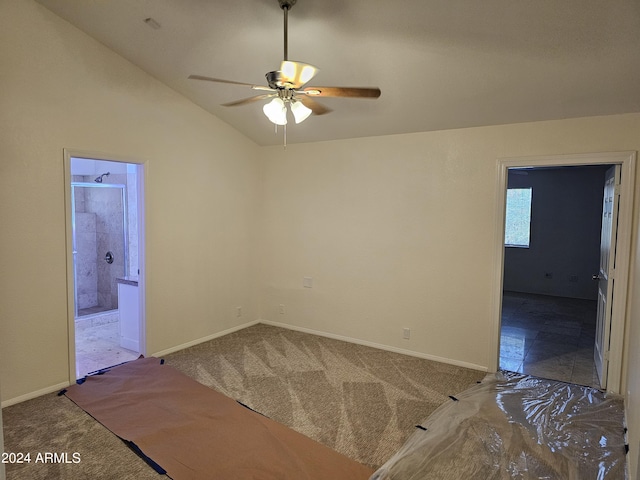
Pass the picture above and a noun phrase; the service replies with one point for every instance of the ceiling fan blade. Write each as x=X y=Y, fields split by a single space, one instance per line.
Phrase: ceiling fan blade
x=220 y=80
x=245 y=101
x=296 y=74
x=316 y=107
x=357 y=92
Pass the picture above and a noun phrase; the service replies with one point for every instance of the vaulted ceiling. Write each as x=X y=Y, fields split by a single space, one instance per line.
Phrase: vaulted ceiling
x=440 y=64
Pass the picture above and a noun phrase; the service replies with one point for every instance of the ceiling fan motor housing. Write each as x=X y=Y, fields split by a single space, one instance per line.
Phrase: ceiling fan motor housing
x=273 y=79
x=287 y=4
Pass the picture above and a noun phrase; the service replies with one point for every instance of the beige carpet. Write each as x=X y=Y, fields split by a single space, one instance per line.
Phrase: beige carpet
x=360 y=401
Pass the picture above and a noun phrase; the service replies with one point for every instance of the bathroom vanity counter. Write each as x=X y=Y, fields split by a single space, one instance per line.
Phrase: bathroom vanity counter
x=130 y=280
x=129 y=307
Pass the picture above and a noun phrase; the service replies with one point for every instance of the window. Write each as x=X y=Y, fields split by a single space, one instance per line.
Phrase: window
x=518 y=218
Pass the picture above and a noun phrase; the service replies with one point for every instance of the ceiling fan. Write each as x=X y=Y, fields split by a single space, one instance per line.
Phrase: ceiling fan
x=285 y=87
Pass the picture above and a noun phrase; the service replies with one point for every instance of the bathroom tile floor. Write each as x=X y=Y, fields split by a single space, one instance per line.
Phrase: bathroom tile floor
x=549 y=337
x=98 y=344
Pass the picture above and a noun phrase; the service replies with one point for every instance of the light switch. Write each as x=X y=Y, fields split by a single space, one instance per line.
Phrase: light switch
x=307 y=282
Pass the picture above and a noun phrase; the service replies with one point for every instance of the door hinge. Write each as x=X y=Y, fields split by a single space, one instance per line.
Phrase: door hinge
x=606 y=356
x=617 y=189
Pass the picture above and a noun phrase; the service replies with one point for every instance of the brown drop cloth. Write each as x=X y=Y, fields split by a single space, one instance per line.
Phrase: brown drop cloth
x=195 y=432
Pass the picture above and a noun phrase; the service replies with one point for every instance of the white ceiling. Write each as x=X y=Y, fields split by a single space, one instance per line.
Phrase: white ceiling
x=440 y=64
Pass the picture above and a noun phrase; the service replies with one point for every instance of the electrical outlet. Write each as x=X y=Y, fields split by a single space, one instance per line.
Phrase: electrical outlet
x=238 y=311
x=406 y=333
x=281 y=309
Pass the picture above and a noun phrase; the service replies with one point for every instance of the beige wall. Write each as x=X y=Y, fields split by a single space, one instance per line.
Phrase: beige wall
x=399 y=231
x=61 y=89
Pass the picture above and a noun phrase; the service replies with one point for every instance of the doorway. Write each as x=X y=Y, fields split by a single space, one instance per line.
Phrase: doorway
x=552 y=249
x=506 y=304
x=106 y=295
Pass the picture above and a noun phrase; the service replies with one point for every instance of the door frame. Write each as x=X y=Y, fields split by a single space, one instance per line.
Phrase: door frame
x=619 y=317
x=141 y=178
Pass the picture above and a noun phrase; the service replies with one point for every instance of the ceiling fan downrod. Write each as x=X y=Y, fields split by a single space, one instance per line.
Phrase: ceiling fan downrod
x=286 y=5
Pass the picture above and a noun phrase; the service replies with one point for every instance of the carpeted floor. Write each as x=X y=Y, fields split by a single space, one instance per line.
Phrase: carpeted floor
x=360 y=401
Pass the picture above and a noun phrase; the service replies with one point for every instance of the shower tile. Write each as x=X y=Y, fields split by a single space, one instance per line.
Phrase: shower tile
x=87 y=271
x=86 y=245
x=110 y=222
x=115 y=243
x=86 y=300
x=104 y=300
x=85 y=222
x=118 y=178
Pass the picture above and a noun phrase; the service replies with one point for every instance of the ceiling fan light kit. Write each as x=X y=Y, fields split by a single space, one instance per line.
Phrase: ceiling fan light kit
x=285 y=87
x=276 y=111
x=300 y=112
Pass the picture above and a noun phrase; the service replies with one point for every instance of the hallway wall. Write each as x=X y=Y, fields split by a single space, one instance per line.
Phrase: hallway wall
x=566 y=214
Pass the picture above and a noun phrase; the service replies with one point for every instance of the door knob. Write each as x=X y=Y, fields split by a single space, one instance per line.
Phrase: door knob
x=108 y=258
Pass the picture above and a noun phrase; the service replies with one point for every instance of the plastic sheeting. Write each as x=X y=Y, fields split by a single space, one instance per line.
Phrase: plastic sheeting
x=517 y=426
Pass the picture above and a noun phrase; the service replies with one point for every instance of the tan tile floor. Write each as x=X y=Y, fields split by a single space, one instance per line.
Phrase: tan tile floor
x=549 y=337
x=98 y=343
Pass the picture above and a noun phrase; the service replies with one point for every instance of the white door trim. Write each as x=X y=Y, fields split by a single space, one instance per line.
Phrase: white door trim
x=141 y=179
x=2 y=469
x=623 y=246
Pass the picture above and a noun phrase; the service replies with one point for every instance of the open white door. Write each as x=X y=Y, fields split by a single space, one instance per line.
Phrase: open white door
x=606 y=276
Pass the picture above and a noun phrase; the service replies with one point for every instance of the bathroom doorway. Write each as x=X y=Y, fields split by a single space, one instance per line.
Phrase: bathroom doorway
x=106 y=291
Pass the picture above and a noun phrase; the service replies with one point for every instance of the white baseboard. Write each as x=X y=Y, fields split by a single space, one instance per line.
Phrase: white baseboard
x=204 y=339
x=60 y=386
x=379 y=346
x=130 y=344
x=37 y=393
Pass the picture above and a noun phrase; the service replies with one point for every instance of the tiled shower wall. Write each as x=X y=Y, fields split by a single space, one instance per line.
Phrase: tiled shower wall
x=99 y=229
x=86 y=266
